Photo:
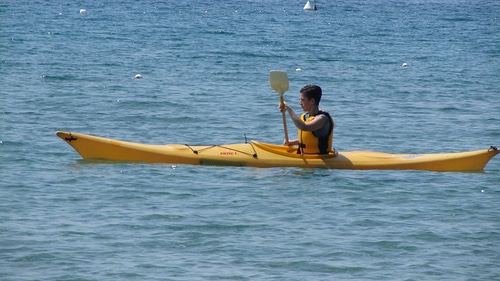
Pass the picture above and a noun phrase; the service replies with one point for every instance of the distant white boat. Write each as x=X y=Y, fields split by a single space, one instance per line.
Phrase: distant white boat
x=310 y=7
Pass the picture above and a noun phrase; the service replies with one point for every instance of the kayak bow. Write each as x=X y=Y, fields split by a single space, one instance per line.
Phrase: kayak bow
x=263 y=155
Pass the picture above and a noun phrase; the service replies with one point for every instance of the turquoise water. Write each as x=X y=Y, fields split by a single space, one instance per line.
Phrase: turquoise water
x=205 y=69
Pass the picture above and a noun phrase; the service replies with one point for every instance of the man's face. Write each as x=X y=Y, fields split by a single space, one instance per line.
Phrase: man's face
x=305 y=103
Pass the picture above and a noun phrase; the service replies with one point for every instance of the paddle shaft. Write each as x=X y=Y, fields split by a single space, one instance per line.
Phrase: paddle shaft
x=283 y=113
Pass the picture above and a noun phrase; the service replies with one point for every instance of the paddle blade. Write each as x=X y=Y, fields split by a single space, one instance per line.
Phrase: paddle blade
x=279 y=81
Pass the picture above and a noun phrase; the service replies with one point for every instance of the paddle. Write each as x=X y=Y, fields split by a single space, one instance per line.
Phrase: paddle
x=279 y=83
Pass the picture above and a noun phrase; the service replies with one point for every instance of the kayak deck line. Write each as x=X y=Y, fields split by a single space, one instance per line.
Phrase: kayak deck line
x=220 y=146
x=264 y=155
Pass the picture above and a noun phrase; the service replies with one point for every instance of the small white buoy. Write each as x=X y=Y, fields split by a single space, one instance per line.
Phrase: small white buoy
x=308 y=6
x=298 y=69
x=138 y=76
x=404 y=64
x=83 y=12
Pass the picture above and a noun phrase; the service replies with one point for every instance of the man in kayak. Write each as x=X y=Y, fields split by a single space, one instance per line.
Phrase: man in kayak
x=315 y=126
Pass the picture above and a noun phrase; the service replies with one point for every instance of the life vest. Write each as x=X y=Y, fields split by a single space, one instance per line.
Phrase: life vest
x=309 y=143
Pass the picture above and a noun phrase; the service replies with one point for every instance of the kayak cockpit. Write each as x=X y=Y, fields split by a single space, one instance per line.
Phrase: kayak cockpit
x=291 y=151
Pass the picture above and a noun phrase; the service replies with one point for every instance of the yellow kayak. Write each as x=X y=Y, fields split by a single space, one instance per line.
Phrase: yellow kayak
x=263 y=155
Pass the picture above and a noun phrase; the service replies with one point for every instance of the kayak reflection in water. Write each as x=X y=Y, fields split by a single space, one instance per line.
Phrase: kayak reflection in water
x=315 y=126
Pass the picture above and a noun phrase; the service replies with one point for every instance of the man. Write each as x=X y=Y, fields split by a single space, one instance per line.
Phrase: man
x=315 y=126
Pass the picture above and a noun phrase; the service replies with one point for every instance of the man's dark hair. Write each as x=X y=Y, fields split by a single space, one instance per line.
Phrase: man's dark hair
x=312 y=92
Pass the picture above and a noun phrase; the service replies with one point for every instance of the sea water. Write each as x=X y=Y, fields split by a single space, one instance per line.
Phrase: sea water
x=398 y=76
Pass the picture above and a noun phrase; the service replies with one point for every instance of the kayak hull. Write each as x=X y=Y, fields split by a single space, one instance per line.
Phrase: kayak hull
x=262 y=155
